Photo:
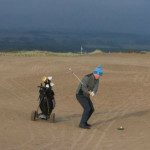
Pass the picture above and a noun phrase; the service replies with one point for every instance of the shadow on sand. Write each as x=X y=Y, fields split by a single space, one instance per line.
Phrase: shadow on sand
x=134 y=114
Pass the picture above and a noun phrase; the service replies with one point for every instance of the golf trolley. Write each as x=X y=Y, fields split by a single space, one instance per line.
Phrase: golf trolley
x=46 y=102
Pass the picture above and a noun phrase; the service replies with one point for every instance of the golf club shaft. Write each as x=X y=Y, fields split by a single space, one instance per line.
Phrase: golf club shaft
x=70 y=69
x=77 y=78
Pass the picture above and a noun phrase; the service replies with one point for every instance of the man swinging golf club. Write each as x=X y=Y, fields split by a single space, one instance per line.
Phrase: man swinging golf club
x=88 y=87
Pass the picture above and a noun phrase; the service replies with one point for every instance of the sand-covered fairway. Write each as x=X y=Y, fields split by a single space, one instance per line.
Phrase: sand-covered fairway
x=123 y=99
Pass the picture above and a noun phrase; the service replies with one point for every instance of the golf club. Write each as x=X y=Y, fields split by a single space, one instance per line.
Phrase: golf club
x=70 y=69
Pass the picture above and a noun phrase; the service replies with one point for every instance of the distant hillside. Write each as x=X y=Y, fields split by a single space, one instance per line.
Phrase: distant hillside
x=71 y=42
x=46 y=53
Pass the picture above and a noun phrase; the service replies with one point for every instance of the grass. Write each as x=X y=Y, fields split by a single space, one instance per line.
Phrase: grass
x=36 y=53
x=48 y=53
x=45 y=53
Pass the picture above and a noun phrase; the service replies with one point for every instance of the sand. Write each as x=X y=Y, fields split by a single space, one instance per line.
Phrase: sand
x=123 y=99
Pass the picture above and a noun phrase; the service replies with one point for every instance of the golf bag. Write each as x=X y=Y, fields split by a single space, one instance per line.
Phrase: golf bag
x=46 y=99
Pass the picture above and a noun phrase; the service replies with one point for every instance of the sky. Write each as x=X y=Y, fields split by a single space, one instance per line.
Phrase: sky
x=122 y=16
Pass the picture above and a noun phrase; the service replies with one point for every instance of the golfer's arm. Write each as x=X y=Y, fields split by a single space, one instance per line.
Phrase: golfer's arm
x=96 y=87
x=84 y=85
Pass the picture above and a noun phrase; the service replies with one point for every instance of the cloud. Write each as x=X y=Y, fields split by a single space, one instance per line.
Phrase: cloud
x=103 y=15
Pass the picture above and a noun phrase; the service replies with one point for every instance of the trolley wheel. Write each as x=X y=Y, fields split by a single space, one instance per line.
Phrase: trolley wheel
x=52 y=118
x=33 y=115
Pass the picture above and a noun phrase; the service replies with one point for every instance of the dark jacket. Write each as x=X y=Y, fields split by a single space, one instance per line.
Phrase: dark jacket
x=89 y=83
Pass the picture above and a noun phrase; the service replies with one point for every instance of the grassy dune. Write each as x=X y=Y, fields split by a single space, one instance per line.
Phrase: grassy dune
x=45 y=53
x=48 y=53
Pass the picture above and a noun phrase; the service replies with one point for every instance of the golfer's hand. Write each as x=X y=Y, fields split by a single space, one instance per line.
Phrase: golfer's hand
x=91 y=93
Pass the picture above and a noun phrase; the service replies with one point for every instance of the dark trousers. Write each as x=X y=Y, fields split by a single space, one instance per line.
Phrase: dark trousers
x=87 y=105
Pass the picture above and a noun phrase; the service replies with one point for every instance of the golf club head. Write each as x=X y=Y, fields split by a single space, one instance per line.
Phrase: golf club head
x=70 y=69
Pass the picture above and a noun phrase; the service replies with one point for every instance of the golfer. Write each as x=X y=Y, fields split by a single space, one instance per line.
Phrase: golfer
x=88 y=87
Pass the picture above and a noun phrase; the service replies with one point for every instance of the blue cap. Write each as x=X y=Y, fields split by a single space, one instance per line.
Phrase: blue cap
x=98 y=71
